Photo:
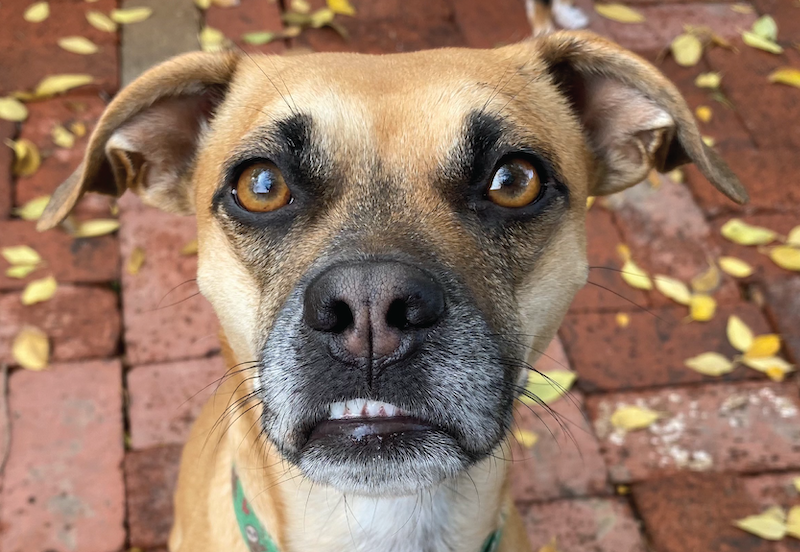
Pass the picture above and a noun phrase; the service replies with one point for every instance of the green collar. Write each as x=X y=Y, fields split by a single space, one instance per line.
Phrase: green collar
x=257 y=538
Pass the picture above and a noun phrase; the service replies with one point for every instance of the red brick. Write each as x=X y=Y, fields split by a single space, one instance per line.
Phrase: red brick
x=783 y=306
x=81 y=322
x=695 y=512
x=491 y=24
x=744 y=427
x=8 y=130
x=150 y=477
x=605 y=290
x=596 y=525
x=86 y=260
x=165 y=316
x=165 y=399
x=30 y=50
x=652 y=349
x=249 y=16
x=64 y=489
x=773 y=489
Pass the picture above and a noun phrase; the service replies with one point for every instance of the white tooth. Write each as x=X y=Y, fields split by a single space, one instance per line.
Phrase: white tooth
x=355 y=407
x=337 y=411
x=374 y=408
x=389 y=410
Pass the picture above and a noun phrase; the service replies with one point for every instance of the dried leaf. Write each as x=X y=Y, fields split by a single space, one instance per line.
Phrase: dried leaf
x=708 y=80
x=710 y=364
x=33 y=209
x=742 y=8
x=631 y=418
x=755 y=41
x=707 y=281
x=768 y=363
x=341 y=7
x=291 y=31
x=764 y=346
x=796 y=484
x=793 y=522
x=300 y=6
x=709 y=141
x=20 y=255
x=738 y=231
x=735 y=267
x=525 y=438
x=31 y=349
x=37 y=12
x=635 y=276
x=786 y=75
x=550 y=546
x=624 y=251
x=739 y=334
x=78 y=128
x=212 y=40
x=58 y=84
x=101 y=21
x=590 y=201
x=258 y=38
x=673 y=289
x=623 y=319
x=94 y=228
x=619 y=13
x=62 y=137
x=26 y=157
x=11 y=109
x=190 y=248
x=20 y=271
x=135 y=261
x=766 y=28
x=686 y=49
x=78 y=45
x=39 y=290
x=130 y=15
x=786 y=257
x=702 y=307
x=704 y=113
x=548 y=387
x=793 y=238
x=202 y=4
x=322 y=17
x=767 y=525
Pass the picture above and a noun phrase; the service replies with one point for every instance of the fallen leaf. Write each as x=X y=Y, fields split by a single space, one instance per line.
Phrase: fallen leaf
x=37 y=12
x=766 y=28
x=702 y=307
x=742 y=8
x=11 y=109
x=635 y=276
x=38 y=291
x=547 y=387
x=619 y=13
x=300 y=6
x=292 y=31
x=739 y=334
x=738 y=231
x=624 y=251
x=78 y=45
x=708 y=80
x=101 y=21
x=94 y=228
x=704 y=113
x=755 y=41
x=590 y=201
x=623 y=490
x=793 y=522
x=190 y=248
x=676 y=175
x=686 y=49
x=135 y=261
x=57 y=84
x=764 y=346
x=796 y=484
x=212 y=40
x=709 y=141
x=623 y=319
x=775 y=373
x=258 y=38
x=26 y=157
x=632 y=418
x=710 y=364
x=341 y=7
x=78 y=128
x=786 y=257
x=202 y=4
x=322 y=17
x=20 y=255
x=707 y=281
x=735 y=267
x=768 y=363
x=793 y=238
x=786 y=75
x=525 y=438
x=673 y=289
x=767 y=525
x=130 y=15
x=62 y=137
x=550 y=546
x=33 y=209
x=20 y=271
x=31 y=349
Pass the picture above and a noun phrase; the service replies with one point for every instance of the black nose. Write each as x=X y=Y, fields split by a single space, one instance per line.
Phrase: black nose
x=377 y=312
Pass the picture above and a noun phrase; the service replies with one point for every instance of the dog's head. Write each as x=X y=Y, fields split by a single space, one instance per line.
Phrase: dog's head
x=388 y=235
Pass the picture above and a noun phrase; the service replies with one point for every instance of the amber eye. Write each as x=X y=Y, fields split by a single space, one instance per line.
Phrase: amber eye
x=261 y=188
x=515 y=184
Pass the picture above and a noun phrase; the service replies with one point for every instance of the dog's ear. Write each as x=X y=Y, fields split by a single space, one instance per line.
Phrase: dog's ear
x=148 y=136
x=634 y=117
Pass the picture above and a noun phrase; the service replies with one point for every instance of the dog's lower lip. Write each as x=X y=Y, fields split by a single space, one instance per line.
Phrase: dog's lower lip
x=362 y=428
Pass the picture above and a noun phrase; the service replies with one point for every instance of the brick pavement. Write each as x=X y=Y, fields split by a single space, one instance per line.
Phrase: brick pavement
x=96 y=438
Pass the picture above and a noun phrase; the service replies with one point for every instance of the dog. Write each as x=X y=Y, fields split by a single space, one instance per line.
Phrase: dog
x=383 y=239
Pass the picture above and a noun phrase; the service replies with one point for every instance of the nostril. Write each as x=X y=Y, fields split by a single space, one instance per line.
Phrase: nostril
x=397 y=314
x=342 y=317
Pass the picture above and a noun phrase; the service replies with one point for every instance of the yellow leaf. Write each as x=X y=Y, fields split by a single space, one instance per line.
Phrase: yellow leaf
x=548 y=387
x=794 y=237
x=322 y=17
x=78 y=45
x=225 y=3
x=767 y=525
x=706 y=281
x=708 y=80
x=619 y=13
x=739 y=334
x=20 y=271
x=101 y=21
x=26 y=157
x=767 y=364
x=78 y=128
x=786 y=75
x=589 y=202
x=673 y=289
x=796 y=484
x=57 y=84
x=130 y=15
x=291 y=31
x=342 y=7
x=764 y=346
x=11 y=109
x=738 y=231
x=135 y=261
x=755 y=41
x=33 y=209
x=258 y=38
x=742 y=8
x=62 y=137
x=623 y=490
x=550 y=546
x=202 y=4
x=786 y=257
x=300 y=6
x=623 y=319
x=703 y=113
x=686 y=49
x=710 y=364
x=624 y=251
x=635 y=276
x=775 y=373
x=212 y=40
x=735 y=267
x=631 y=418
x=31 y=349
x=39 y=290
x=766 y=28
x=190 y=248
x=702 y=307
x=20 y=255
x=97 y=227
x=525 y=438
x=36 y=13
x=793 y=522
x=709 y=141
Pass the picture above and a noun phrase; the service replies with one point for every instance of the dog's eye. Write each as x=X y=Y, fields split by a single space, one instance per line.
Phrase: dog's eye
x=261 y=188
x=515 y=184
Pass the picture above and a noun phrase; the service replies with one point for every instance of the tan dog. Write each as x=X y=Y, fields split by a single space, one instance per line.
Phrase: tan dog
x=383 y=239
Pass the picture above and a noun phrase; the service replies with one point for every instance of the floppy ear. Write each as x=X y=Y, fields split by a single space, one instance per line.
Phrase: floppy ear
x=634 y=118
x=148 y=136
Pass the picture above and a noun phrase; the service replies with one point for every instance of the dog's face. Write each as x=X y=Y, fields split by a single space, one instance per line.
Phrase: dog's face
x=389 y=236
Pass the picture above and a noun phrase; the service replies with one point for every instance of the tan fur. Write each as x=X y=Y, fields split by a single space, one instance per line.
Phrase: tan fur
x=406 y=110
